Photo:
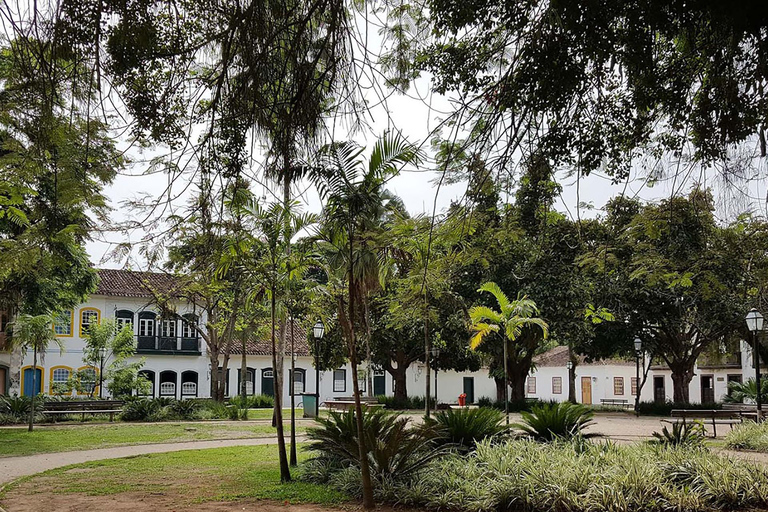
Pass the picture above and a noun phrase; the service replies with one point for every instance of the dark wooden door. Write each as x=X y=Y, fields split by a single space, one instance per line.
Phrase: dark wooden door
x=659 y=394
x=707 y=389
x=469 y=389
x=379 y=384
x=267 y=382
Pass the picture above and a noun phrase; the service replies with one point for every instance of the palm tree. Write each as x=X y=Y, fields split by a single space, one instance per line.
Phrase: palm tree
x=36 y=333
x=512 y=319
x=354 y=197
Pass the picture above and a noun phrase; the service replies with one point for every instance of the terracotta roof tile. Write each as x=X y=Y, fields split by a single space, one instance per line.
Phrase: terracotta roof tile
x=262 y=345
x=130 y=283
x=558 y=357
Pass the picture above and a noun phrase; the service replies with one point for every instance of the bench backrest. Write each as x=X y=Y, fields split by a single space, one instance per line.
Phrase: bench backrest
x=83 y=405
x=364 y=399
x=704 y=413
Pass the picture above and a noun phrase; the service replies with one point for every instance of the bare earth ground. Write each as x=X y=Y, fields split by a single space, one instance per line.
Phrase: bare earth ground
x=622 y=428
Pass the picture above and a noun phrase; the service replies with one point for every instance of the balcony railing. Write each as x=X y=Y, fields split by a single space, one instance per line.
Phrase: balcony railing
x=167 y=345
x=732 y=360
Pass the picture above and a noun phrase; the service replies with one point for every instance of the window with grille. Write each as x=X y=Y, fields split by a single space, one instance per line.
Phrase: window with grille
x=60 y=376
x=169 y=328
x=168 y=389
x=146 y=327
x=633 y=383
x=339 y=381
x=557 y=385
x=88 y=380
x=88 y=317
x=532 y=385
x=62 y=326
x=187 y=388
x=618 y=386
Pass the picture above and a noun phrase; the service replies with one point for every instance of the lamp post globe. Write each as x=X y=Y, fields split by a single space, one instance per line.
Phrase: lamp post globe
x=318 y=330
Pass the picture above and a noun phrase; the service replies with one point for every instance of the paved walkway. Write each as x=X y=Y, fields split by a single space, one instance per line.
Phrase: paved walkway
x=12 y=468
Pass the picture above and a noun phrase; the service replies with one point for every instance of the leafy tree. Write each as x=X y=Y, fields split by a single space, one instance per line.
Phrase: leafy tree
x=592 y=85
x=54 y=162
x=520 y=331
x=675 y=276
x=34 y=333
x=104 y=342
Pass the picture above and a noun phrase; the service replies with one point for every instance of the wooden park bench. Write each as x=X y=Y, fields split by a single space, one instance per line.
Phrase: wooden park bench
x=616 y=402
x=716 y=416
x=348 y=402
x=84 y=407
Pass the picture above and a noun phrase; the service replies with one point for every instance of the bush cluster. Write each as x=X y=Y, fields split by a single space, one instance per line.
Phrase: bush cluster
x=253 y=402
x=748 y=436
x=15 y=409
x=170 y=409
x=578 y=476
x=404 y=404
x=514 y=405
x=664 y=409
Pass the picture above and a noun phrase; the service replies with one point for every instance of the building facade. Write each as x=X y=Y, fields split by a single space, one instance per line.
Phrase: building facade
x=177 y=365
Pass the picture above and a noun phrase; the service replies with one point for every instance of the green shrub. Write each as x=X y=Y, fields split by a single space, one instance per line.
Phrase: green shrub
x=15 y=408
x=748 y=436
x=585 y=477
x=740 y=391
x=145 y=409
x=253 y=402
x=464 y=428
x=183 y=409
x=209 y=409
x=399 y=404
x=690 y=435
x=664 y=409
x=524 y=404
x=551 y=421
x=394 y=450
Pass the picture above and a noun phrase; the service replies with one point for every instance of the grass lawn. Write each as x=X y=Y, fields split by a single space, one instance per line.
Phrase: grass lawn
x=183 y=478
x=17 y=441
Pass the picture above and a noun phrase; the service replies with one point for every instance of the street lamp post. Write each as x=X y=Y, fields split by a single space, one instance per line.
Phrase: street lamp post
x=638 y=353
x=318 y=331
x=755 y=324
x=571 y=394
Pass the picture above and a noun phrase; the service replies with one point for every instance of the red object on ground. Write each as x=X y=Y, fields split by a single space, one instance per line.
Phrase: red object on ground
x=462 y=400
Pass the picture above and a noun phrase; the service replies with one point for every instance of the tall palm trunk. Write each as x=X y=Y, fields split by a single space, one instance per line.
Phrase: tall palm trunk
x=285 y=472
x=292 y=382
x=365 y=469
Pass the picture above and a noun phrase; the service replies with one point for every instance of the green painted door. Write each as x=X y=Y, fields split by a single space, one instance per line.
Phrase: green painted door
x=379 y=384
x=469 y=389
x=267 y=382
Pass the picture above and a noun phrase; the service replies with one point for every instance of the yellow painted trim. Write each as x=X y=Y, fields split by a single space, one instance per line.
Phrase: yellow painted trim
x=71 y=326
x=42 y=377
x=80 y=317
x=96 y=385
x=50 y=376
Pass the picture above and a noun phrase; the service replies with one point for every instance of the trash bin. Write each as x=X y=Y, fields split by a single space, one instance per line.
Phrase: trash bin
x=310 y=404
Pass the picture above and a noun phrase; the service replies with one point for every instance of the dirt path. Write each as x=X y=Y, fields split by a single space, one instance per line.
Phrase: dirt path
x=12 y=468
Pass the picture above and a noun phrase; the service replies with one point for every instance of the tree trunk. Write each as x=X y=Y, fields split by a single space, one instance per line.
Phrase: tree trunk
x=34 y=389
x=517 y=386
x=681 y=380
x=572 y=384
x=499 y=389
x=369 y=360
x=243 y=371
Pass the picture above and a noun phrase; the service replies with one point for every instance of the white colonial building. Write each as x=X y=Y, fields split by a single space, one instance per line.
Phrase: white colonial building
x=177 y=365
